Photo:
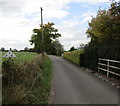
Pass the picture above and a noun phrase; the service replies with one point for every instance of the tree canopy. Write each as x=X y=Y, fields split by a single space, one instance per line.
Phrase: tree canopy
x=104 y=29
x=56 y=48
x=50 y=35
x=72 y=48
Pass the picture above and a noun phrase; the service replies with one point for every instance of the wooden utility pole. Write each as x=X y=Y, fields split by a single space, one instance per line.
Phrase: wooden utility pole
x=42 y=32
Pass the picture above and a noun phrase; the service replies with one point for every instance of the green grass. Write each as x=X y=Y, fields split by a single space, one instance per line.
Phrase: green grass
x=42 y=86
x=46 y=76
x=22 y=56
x=31 y=84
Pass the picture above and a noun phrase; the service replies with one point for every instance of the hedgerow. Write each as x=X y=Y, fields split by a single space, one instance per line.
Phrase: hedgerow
x=27 y=82
x=73 y=56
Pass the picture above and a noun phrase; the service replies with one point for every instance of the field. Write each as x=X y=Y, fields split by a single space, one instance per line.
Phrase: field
x=22 y=56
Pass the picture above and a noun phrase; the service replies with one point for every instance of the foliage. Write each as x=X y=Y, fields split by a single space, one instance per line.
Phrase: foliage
x=73 y=56
x=2 y=49
x=26 y=49
x=28 y=82
x=104 y=31
x=50 y=34
x=15 y=50
x=56 y=48
x=72 y=48
x=81 y=46
x=8 y=70
x=104 y=28
x=89 y=58
x=31 y=50
x=46 y=76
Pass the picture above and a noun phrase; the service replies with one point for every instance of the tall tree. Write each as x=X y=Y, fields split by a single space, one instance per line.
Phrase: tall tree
x=56 y=48
x=104 y=29
x=50 y=34
x=72 y=48
x=2 y=49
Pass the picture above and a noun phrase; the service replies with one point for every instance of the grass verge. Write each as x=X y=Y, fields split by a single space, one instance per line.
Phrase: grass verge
x=46 y=77
x=42 y=93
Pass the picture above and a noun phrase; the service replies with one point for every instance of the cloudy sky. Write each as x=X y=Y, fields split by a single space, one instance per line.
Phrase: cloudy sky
x=19 y=17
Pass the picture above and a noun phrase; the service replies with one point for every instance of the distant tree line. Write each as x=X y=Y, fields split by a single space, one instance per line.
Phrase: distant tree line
x=81 y=46
x=26 y=49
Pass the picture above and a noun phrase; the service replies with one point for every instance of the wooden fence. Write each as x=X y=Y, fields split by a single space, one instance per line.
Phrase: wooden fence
x=110 y=66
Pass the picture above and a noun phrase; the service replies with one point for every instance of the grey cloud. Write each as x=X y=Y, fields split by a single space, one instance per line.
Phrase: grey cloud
x=11 y=6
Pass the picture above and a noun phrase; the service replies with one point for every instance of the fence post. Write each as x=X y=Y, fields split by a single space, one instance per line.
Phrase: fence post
x=108 y=68
x=98 y=63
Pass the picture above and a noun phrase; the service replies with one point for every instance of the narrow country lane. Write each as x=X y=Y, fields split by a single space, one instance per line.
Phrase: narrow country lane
x=71 y=85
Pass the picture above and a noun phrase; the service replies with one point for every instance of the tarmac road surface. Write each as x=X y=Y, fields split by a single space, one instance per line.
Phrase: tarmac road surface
x=72 y=85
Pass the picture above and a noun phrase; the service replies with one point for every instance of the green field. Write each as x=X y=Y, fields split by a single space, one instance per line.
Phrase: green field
x=21 y=56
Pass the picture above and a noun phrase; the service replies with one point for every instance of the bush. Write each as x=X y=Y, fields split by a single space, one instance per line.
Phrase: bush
x=26 y=83
x=105 y=37
x=109 y=52
x=73 y=56
x=89 y=58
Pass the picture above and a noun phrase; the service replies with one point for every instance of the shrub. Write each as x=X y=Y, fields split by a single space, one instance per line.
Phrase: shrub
x=73 y=56
x=27 y=82
x=89 y=58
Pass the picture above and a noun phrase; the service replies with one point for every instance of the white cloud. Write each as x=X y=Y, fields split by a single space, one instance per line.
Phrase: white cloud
x=88 y=16
x=75 y=43
x=19 y=18
x=13 y=43
x=11 y=6
x=92 y=1
x=72 y=33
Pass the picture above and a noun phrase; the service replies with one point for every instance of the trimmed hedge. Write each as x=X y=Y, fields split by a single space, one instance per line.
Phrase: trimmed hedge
x=89 y=58
x=73 y=56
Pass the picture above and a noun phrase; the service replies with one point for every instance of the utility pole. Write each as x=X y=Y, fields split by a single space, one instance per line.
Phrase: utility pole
x=42 y=32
